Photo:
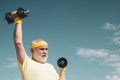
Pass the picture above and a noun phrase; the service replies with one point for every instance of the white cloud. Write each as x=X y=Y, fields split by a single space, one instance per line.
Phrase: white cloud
x=112 y=27
x=116 y=40
x=92 y=53
x=114 y=77
x=116 y=32
x=106 y=57
x=112 y=59
x=11 y=63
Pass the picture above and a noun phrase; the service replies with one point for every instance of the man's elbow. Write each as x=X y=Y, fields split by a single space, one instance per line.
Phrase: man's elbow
x=17 y=42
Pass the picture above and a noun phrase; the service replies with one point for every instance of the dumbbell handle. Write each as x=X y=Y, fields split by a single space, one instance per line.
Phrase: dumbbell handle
x=14 y=13
x=27 y=11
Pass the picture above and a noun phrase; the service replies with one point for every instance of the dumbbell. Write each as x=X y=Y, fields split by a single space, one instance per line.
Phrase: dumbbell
x=62 y=62
x=21 y=13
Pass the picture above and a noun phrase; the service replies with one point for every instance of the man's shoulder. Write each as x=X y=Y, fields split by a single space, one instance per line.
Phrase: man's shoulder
x=48 y=63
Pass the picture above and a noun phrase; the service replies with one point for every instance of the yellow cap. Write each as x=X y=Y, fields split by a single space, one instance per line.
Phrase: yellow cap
x=37 y=44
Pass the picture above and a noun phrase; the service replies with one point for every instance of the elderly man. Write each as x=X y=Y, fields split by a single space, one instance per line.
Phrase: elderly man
x=36 y=68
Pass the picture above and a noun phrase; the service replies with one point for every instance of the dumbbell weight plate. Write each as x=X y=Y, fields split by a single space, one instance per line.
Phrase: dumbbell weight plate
x=9 y=18
x=62 y=62
x=22 y=13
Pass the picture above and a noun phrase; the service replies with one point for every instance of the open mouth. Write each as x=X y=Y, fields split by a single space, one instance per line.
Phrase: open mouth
x=44 y=55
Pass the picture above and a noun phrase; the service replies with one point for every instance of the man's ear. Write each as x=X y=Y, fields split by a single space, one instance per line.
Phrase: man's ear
x=32 y=50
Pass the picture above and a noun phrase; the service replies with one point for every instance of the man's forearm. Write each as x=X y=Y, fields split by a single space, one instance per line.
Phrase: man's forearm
x=18 y=33
x=62 y=75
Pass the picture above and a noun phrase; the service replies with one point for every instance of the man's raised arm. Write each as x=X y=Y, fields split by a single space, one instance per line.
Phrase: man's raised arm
x=20 y=50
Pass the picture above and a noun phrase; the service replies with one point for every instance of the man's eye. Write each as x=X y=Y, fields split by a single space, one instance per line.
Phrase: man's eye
x=43 y=48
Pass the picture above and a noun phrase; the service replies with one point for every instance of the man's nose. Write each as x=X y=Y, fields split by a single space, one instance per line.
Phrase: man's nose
x=45 y=52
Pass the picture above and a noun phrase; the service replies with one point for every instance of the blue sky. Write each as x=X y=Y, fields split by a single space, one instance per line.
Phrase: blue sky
x=86 y=32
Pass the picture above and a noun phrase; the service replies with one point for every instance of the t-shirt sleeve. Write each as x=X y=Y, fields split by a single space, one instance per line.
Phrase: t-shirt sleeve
x=54 y=72
x=24 y=65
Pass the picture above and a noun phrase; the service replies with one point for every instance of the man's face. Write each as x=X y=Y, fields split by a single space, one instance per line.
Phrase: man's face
x=40 y=54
